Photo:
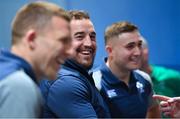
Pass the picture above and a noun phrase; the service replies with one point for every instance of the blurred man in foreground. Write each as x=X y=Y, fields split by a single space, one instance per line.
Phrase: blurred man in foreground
x=40 y=43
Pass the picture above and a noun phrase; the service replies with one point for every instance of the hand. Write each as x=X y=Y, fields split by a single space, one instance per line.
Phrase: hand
x=169 y=106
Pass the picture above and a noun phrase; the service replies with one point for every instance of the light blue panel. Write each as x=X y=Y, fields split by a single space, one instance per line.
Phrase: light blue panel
x=8 y=9
x=158 y=21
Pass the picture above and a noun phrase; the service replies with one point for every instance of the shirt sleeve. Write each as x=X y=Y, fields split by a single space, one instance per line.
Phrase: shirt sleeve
x=146 y=76
x=18 y=97
x=151 y=102
x=68 y=97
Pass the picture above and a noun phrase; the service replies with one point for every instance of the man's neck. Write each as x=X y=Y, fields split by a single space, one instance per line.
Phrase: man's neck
x=121 y=74
x=20 y=51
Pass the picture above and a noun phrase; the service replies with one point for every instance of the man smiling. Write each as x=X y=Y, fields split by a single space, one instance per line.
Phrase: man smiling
x=73 y=94
x=40 y=43
x=127 y=92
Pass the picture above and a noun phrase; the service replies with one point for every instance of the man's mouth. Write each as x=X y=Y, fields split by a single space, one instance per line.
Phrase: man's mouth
x=87 y=52
x=135 y=60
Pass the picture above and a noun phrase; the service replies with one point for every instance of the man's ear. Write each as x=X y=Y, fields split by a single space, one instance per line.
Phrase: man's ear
x=109 y=49
x=30 y=38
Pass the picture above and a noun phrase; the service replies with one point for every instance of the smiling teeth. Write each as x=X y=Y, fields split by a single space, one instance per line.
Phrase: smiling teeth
x=86 y=52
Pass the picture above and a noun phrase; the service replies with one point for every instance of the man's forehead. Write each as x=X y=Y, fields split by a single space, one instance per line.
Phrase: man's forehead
x=126 y=38
x=129 y=36
x=81 y=23
x=82 y=26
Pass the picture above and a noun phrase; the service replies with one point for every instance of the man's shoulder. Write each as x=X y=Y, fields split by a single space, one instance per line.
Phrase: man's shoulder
x=69 y=82
x=71 y=76
x=144 y=76
x=69 y=79
x=18 y=78
x=67 y=72
x=19 y=89
x=20 y=83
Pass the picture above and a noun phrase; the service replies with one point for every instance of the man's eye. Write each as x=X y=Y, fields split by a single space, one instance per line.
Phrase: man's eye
x=79 y=37
x=130 y=47
x=140 y=45
x=93 y=37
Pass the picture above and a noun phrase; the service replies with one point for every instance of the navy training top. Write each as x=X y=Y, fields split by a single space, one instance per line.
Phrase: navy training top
x=10 y=63
x=73 y=95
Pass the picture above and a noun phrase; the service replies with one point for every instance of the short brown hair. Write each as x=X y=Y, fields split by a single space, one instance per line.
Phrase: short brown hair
x=117 y=28
x=79 y=14
x=35 y=15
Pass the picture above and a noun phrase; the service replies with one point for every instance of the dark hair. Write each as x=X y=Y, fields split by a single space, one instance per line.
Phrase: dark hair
x=79 y=14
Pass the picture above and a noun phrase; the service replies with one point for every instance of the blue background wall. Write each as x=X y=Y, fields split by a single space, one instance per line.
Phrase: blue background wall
x=158 y=21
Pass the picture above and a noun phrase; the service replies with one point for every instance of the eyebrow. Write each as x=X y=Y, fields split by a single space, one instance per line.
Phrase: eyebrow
x=132 y=43
x=77 y=33
x=93 y=33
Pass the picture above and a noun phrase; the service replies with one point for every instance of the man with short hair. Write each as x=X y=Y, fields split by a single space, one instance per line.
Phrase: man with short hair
x=73 y=94
x=40 y=44
x=127 y=92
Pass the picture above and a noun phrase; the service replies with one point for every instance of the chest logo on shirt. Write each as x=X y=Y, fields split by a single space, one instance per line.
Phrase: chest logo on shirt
x=111 y=93
x=140 y=87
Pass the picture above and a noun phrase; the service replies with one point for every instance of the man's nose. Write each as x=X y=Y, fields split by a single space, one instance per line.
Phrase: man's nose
x=87 y=41
x=137 y=51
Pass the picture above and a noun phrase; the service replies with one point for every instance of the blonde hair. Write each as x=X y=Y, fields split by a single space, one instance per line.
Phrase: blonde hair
x=118 y=28
x=36 y=15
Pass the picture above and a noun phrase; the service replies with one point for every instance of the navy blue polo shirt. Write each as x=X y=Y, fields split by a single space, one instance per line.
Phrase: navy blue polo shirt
x=124 y=101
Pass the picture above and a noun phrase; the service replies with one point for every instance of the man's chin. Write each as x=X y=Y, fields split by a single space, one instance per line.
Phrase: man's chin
x=135 y=67
x=88 y=66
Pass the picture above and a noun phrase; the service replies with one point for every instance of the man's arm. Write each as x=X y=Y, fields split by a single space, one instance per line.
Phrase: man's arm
x=69 y=98
x=154 y=108
x=18 y=97
x=153 y=112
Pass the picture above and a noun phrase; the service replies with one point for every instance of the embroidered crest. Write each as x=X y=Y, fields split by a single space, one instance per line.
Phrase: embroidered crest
x=140 y=87
x=111 y=93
